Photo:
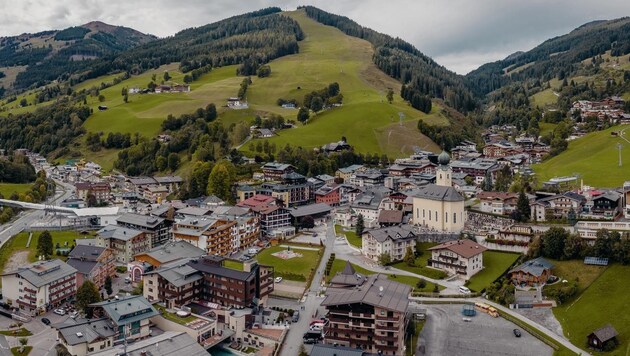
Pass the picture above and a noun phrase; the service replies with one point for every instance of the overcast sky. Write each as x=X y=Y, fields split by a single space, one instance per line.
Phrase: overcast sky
x=459 y=34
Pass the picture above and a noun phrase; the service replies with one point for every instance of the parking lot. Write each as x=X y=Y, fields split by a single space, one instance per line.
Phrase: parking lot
x=446 y=333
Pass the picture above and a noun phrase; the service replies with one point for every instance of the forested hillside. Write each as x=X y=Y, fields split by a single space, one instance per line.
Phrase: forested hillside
x=558 y=57
x=56 y=55
x=422 y=77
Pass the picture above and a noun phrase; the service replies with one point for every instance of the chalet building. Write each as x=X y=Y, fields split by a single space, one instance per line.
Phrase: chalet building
x=368 y=204
x=346 y=172
x=172 y=183
x=392 y=240
x=533 y=273
x=497 y=202
x=93 y=263
x=293 y=191
x=156 y=229
x=336 y=147
x=175 y=284
x=274 y=170
x=406 y=168
x=461 y=257
x=273 y=217
x=371 y=318
x=368 y=178
x=598 y=338
x=124 y=242
x=602 y=205
x=557 y=207
x=86 y=336
x=390 y=218
x=130 y=316
x=170 y=252
x=155 y=194
x=232 y=288
x=476 y=168
x=101 y=191
x=38 y=287
x=501 y=149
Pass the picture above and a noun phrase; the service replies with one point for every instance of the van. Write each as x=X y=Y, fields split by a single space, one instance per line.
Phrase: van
x=464 y=290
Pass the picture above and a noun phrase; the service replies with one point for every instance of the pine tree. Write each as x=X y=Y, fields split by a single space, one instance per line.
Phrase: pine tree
x=86 y=295
x=359 y=227
x=45 y=244
x=108 y=285
x=522 y=205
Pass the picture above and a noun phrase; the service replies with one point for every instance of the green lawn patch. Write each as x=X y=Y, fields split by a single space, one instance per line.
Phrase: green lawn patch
x=16 y=350
x=237 y=265
x=589 y=156
x=351 y=236
x=604 y=301
x=7 y=189
x=543 y=99
x=174 y=317
x=495 y=265
x=575 y=270
x=295 y=269
x=339 y=264
x=420 y=266
x=21 y=332
x=546 y=127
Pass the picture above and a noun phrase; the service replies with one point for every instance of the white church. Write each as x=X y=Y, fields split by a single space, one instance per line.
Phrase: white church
x=439 y=206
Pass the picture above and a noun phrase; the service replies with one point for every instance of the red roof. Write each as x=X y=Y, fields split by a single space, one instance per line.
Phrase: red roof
x=496 y=196
x=256 y=200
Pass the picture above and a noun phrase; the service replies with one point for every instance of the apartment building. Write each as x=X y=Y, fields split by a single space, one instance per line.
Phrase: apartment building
x=370 y=317
x=124 y=242
x=461 y=257
x=176 y=284
x=129 y=315
x=391 y=240
x=156 y=229
x=40 y=286
x=93 y=263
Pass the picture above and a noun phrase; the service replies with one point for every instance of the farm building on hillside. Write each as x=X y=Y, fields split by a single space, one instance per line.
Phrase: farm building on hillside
x=601 y=336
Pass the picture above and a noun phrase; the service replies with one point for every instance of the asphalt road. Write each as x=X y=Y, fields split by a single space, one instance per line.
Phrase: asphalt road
x=311 y=302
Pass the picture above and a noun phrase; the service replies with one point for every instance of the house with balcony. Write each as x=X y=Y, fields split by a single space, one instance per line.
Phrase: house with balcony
x=371 y=318
x=93 y=263
x=129 y=316
x=500 y=203
x=391 y=240
x=532 y=273
x=85 y=337
x=156 y=229
x=175 y=284
x=124 y=242
x=38 y=287
x=461 y=257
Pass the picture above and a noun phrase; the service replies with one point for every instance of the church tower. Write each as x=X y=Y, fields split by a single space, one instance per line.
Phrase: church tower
x=443 y=174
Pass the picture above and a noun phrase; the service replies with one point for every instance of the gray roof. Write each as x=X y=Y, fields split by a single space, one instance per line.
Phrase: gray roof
x=166 y=344
x=87 y=242
x=83 y=267
x=44 y=272
x=277 y=166
x=439 y=193
x=168 y=179
x=394 y=296
x=127 y=309
x=312 y=209
x=86 y=252
x=140 y=220
x=331 y=350
x=399 y=232
x=535 y=267
x=178 y=274
x=371 y=198
x=605 y=333
x=348 y=277
x=118 y=232
x=212 y=268
x=350 y=169
x=174 y=250
x=142 y=180
x=90 y=330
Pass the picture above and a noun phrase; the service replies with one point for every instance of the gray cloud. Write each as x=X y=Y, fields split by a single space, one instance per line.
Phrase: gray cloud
x=459 y=34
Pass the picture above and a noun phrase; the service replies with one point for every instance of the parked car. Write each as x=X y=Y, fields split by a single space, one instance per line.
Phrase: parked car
x=59 y=311
x=296 y=316
x=517 y=332
x=46 y=321
x=466 y=319
x=310 y=341
x=74 y=314
x=278 y=279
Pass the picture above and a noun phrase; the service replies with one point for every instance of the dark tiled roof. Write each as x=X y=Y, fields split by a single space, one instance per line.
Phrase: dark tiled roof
x=465 y=248
x=439 y=193
x=312 y=209
x=199 y=265
x=390 y=216
x=86 y=252
x=605 y=333
x=377 y=291
x=393 y=232
x=535 y=267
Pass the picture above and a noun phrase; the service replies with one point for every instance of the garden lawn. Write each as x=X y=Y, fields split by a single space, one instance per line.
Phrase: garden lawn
x=575 y=270
x=590 y=156
x=15 y=351
x=237 y=265
x=351 y=236
x=295 y=269
x=604 y=301
x=495 y=265
x=7 y=189
x=411 y=281
x=174 y=317
x=420 y=266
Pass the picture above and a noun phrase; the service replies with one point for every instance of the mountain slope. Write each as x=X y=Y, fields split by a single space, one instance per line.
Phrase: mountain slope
x=556 y=57
x=49 y=55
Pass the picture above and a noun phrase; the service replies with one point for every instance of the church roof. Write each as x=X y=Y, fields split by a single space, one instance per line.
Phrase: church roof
x=438 y=192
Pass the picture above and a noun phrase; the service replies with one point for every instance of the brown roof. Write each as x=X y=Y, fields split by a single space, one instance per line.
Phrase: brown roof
x=496 y=196
x=465 y=248
x=390 y=216
x=605 y=333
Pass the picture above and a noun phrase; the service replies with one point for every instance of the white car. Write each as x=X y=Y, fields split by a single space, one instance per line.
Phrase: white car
x=59 y=312
x=74 y=314
x=278 y=279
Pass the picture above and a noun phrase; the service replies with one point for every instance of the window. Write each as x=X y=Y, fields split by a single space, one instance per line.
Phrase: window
x=436 y=218
x=454 y=218
x=423 y=213
x=446 y=217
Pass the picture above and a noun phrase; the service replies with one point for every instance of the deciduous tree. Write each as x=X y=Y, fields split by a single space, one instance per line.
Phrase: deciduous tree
x=86 y=295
